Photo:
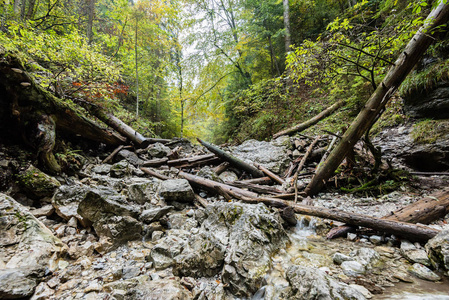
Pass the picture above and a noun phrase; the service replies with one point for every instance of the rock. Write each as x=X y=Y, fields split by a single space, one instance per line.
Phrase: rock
x=32 y=247
x=16 y=283
x=158 y=150
x=160 y=289
x=398 y=146
x=113 y=219
x=428 y=103
x=352 y=236
x=144 y=191
x=228 y=176
x=203 y=256
x=103 y=169
x=182 y=221
x=438 y=250
x=66 y=200
x=130 y=157
x=366 y=256
x=309 y=283
x=208 y=173
x=44 y=211
x=121 y=169
x=353 y=268
x=375 y=239
x=42 y=292
x=36 y=184
x=271 y=155
x=163 y=253
x=152 y=215
x=416 y=256
x=363 y=290
x=423 y=272
x=177 y=190
x=339 y=258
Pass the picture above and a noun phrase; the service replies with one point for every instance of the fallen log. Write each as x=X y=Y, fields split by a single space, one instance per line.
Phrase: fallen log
x=154 y=174
x=155 y=162
x=210 y=185
x=188 y=160
x=260 y=180
x=261 y=189
x=232 y=159
x=417 y=46
x=322 y=115
x=412 y=232
x=111 y=156
x=424 y=211
x=270 y=174
x=221 y=168
x=301 y=165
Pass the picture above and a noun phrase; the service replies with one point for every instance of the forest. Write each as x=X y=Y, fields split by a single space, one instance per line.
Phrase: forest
x=224 y=149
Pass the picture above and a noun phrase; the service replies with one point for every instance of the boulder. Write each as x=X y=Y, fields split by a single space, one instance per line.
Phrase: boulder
x=103 y=169
x=27 y=248
x=142 y=190
x=158 y=150
x=423 y=272
x=272 y=155
x=121 y=169
x=309 y=283
x=167 y=248
x=114 y=220
x=152 y=215
x=177 y=190
x=66 y=200
x=438 y=250
x=36 y=184
x=130 y=157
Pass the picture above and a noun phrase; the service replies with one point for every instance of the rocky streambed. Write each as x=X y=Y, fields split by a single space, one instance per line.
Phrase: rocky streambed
x=112 y=232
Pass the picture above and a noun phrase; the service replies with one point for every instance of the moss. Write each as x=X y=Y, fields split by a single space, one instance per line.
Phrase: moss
x=36 y=183
x=429 y=131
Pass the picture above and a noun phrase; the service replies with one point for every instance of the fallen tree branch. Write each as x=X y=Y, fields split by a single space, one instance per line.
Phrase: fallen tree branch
x=322 y=115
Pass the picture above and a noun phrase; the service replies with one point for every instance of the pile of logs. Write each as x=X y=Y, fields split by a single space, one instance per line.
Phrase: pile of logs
x=257 y=184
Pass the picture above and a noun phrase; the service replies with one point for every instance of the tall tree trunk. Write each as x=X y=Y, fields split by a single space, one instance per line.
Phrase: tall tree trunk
x=373 y=107
x=288 y=40
x=90 y=20
x=137 y=70
x=30 y=12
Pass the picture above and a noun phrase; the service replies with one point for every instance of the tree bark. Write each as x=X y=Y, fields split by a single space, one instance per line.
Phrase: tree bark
x=90 y=20
x=288 y=40
x=404 y=64
x=322 y=115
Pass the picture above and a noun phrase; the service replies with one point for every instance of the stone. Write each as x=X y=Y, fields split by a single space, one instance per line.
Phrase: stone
x=352 y=236
x=158 y=150
x=423 y=272
x=163 y=253
x=143 y=190
x=121 y=169
x=152 y=215
x=182 y=221
x=203 y=256
x=130 y=157
x=366 y=256
x=114 y=220
x=42 y=292
x=44 y=211
x=375 y=239
x=353 y=268
x=437 y=249
x=103 y=169
x=272 y=155
x=339 y=258
x=36 y=184
x=177 y=190
x=66 y=200
x=16 y=283
x=160 y=289
x=416 y=256
x=310 y=283
x=228 y=176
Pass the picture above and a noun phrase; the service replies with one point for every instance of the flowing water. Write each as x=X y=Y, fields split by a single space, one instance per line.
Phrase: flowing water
x=309 y=249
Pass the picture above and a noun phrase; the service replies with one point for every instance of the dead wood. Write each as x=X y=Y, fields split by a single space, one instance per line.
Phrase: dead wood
x=260 y=180
x=232 y=159
x=410 y=231
x=155 y=162
x=373 y=107
x=201 y=200
x=154 y=174
x=302 y=163
x=221 y=168
x=190 y=160
x=270 y=174
x=210 y=185
x=261 y=189
x=322 y=115
x=111 y=156
x=423 y=211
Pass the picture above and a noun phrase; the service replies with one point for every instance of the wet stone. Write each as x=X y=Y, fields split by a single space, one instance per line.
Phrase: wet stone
x=339 y=258
x=423 y=272
x=353 y=268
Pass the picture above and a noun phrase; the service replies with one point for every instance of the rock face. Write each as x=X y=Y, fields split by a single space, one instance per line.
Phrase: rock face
x=429 y=104
x=26 y=249
x=161 y=289
x=398 y=146
x=251 y=234
x=271 y=155
x=308 y=283
x=144 y=190
x=114 y=220
x=438 y=250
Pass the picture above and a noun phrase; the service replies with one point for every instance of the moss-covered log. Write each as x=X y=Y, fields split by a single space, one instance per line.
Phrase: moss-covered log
x=34 y=113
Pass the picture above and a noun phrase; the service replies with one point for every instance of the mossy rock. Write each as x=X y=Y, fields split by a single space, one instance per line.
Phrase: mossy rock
x=36 y=184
